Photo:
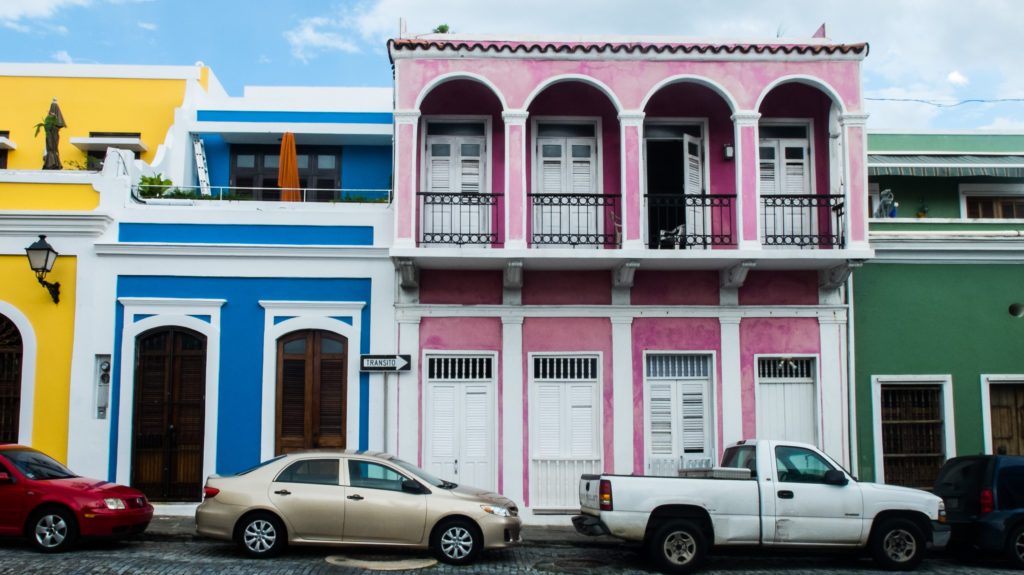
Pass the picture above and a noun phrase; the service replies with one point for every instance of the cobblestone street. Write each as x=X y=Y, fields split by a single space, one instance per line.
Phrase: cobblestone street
x=186 y=556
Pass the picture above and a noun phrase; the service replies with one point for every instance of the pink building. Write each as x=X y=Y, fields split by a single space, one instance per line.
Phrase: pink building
x=622 y=254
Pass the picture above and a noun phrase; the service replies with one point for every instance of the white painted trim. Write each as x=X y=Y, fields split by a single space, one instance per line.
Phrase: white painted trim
x=167 y=312
x=239 y=250
x=948 y=408
x=416 y=311
x=548 y=82
x=50 y=177
x=608 y=55
x=29 y=352
x=716 y=410
x=488 y=137
x=818 y=440
x=512 y=394
x=941 y=153
x=443 y=78
x=691 y=79
x=732 y=381
x=805 y=79
x=99 y=144
x=303 y=315
x=987 y=381
x=7 y=144
x=622 y=395
x=102 y=71
x=55 y=224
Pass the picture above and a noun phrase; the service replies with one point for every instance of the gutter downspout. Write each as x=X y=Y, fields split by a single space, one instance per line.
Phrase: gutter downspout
x=851 y=376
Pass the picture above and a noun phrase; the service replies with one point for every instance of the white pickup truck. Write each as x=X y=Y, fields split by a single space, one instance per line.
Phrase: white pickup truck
x=767 y=493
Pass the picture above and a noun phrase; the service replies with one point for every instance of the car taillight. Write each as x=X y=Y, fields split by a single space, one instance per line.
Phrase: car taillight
x=605 y=494
x=987 y=502
x=210 y=492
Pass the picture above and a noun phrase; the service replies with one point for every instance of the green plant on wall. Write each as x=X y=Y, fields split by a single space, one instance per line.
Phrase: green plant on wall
x=48 y=123
x=154 y=186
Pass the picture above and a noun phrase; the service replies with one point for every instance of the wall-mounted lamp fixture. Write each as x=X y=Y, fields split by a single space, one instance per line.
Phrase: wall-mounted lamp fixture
x=41 y=257
x=729 y=152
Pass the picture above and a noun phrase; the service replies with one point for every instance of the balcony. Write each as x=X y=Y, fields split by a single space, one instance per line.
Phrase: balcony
x=574 y=220
x=170 y=194
x=803 y=221
x=690 y=221
x=458 y=218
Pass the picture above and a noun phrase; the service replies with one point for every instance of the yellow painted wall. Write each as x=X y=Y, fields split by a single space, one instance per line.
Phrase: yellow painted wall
x=54 y=326
x=88 y=105
x=48 y=197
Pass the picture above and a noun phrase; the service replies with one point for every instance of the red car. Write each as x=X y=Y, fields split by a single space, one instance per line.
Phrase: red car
x=51 y=506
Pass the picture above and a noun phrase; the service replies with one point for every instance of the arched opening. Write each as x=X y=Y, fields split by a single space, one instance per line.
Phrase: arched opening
x=11 y=357
x=574 y=165
x=312 y=382
x=800 y=165
x=690 y=183
x=462 y=163
x=169 y=414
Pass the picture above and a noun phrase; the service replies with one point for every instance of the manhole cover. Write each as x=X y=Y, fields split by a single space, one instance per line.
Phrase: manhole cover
x=381 y=562
x=572 y=566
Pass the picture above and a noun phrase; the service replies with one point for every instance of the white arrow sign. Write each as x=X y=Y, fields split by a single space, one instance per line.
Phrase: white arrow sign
x=384 y=362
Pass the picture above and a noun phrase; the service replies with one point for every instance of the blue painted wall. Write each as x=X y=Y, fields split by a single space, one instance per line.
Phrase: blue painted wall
x=218 y=159
x=366 y=168
x=246 y=234
x=241 y=360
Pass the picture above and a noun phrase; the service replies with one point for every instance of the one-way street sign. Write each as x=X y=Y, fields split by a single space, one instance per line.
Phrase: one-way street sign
x=384 y=362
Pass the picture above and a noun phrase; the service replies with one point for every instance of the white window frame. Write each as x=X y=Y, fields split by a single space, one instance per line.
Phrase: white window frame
x=975 y=190
x=711 y=425
x=486 y=157
x=535 y=152
x=819 y=415
x=948 y=424
x=987 y=381
x=811 y=151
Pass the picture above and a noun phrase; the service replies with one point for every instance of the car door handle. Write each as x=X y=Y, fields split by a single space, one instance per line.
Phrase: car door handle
x=355 y=497
x=784 y=494
x=283 y=492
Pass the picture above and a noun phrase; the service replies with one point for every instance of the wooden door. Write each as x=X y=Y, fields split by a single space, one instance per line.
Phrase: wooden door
x=1007 y=402
x=10 y=380
x=312 y=378
x=169 y=414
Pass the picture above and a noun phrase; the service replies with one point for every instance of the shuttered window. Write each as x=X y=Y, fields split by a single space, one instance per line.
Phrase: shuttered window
x=456 y=164
x=786 y=408
x=311 y=389
x=567 y=165
x=679 y=419
x=785 y=167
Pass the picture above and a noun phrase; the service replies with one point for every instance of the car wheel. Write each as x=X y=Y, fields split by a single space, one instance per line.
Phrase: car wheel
x=262 y=535
x=898 y=545
x=1015 y=547
x=52 y=530
x=457 y=542
x=678 y=546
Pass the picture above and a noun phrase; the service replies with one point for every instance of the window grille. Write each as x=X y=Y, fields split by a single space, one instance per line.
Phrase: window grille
x=785 y=369
x=565 y=368
x=460 y=368
x=664 y=366
x=913 y=434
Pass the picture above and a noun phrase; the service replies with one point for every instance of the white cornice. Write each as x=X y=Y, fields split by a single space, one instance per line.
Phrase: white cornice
x=56 y=224
x=284 y=307
x=160 y=302
x=49 y=177
x=47 y=70
x=240 y=250
x=957 y=247
x=413 y=311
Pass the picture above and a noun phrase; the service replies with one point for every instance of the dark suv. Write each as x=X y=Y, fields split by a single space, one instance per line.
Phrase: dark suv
x=984 y=497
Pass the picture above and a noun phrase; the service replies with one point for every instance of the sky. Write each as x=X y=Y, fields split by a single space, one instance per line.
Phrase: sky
x=942 y=51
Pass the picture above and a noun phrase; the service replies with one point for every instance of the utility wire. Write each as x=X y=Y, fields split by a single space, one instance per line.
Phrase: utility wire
x=948 y=104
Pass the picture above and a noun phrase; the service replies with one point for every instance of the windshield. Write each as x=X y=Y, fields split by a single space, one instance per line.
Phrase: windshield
x=423 y=474
x=35 y=465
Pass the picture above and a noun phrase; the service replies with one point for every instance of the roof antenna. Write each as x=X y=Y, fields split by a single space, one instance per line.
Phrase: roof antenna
x=401 y=28
x=820 y=32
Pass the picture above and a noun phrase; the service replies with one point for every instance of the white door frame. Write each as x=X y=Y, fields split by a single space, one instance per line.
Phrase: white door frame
x=711 y=425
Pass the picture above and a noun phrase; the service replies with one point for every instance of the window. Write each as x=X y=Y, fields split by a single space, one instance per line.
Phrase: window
x=743 y=457
x=254 y=172
x=995 y=207
x=373 y=476
x=784 y=156
x=315 y=471
x=566 y=159
x=3 y=152
x=913 y=436
x=456 y=159
x=94 y=158
x=799 y=465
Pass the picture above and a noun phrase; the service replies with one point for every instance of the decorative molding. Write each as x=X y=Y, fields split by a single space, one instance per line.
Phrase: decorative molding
x=414 y=312
x=622 y=276
x=512 y=278
x=835 y=277
x=511 y=320
x=142 y=305
x=284 y=307
x=730 y=320
x=746 y=117
x=733 y=277
x=406 y=116
x=621 y=320
x=853 y=119
x=515 y=117
x=55 y=224
x=409 y=274
x=631 y=117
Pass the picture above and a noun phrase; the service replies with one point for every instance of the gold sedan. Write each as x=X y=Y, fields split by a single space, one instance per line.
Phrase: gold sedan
x=354 y=498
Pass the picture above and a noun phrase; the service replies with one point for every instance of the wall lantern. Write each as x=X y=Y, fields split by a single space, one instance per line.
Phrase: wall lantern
x=729 y=152
x=41 y=257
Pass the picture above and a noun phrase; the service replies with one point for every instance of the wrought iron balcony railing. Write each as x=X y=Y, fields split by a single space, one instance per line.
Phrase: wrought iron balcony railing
x=803 y=221
x=694 y=221
x=458 y=218
x=574 y=220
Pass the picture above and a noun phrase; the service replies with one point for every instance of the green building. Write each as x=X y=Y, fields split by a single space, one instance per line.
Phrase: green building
x=939 y=349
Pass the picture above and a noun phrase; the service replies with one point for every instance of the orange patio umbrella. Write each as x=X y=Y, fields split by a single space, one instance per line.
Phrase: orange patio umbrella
x=288 y=170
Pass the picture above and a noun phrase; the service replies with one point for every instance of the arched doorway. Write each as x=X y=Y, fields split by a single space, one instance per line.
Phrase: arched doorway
x=169 y=414
x=11 y=350
x=312 y=378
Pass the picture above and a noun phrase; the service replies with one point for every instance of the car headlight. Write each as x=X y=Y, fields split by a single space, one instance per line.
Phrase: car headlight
x=499 y=511
x=114 y=503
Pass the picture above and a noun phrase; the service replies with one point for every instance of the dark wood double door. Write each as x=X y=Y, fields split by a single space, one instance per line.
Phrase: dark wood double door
x=1007 y=405
x=169 y=414
x=11 y=354
x=312 y=374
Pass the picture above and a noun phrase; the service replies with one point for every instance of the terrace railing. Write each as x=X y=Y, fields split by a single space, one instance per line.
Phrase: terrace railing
x=144 y=193
x=458 y=218
x=690 y=221
x=574 y=220
x=803 y=221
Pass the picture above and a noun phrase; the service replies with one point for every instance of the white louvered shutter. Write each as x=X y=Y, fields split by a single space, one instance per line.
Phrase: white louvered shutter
x=548 y=421
x=582 y=421
x=694 y=413
x=440 y=152
x=794 y=159
x=661 y=419
x=470 y=165
x=443 y=446
x=552 y=157
x=583 y=176
x=768 y=152
x=694 y=164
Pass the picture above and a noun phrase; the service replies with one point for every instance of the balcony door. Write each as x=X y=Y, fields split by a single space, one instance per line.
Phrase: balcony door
x=677 y=214
x=11 y=354
x=789 y=216
x=567 y=207
x=456 y=203
x=312 y=374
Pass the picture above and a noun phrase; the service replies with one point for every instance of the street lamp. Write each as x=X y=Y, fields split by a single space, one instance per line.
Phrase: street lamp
x=41 y=257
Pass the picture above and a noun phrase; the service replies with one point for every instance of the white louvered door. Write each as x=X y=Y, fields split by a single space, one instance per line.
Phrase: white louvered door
x=786 y=400
x=697 y=222
x=567 y=166
x=785 y=171
x=456 y=165
x=460 y=420
x=678 y=413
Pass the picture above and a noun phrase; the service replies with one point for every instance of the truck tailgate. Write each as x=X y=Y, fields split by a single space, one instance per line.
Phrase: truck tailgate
x=590 y=487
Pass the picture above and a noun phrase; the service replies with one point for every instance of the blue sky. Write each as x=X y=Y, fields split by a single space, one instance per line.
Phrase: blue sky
x=943 y=51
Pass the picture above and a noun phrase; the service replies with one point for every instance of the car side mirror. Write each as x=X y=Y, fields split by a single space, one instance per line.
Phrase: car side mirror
x=835 y=477
x=410 y=486
x=5 y=478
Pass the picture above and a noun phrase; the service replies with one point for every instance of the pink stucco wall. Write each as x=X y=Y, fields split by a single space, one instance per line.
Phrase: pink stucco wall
x=770 y=336
x=658 y=287
x=780 y=288
x=672 y=334
x=466 y=287
x=567 y=288
x=857 y=184
x=569 y=335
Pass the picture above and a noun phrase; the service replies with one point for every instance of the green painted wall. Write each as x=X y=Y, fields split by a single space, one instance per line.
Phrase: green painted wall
x=965 y=143
x=926 y=319
x=940 y=195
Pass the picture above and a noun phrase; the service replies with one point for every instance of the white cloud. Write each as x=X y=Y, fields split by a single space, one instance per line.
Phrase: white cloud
x=957 y=79
x=147 y=26
x=320 y=34
x=17 y=10
x=1004 y=123
x=62 y=56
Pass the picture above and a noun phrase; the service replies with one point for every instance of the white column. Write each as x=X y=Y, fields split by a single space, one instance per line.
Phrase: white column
x=391 y=412
x=376 y=417
x=622 y=393
x=832 y=387
x=732 y=394
x=408 y=426
x=512 y=408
